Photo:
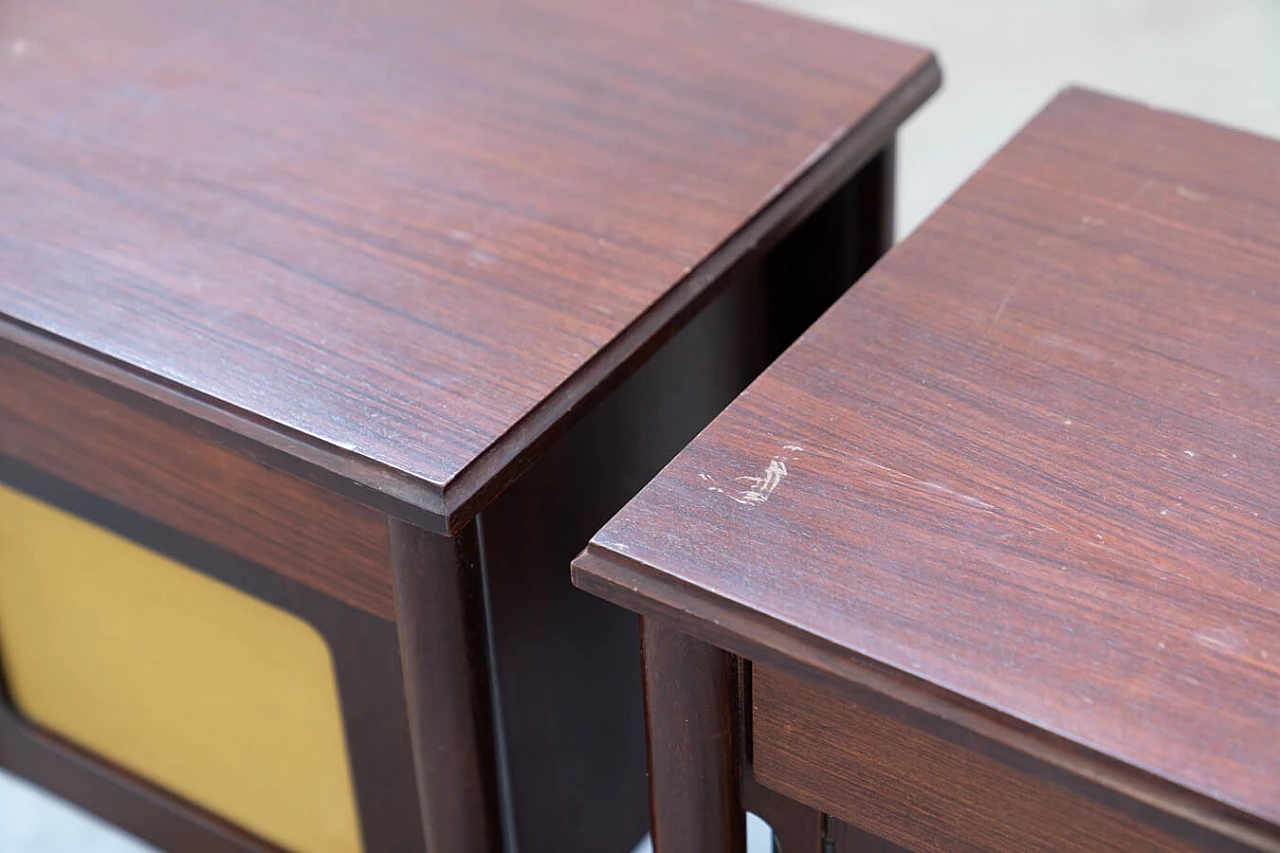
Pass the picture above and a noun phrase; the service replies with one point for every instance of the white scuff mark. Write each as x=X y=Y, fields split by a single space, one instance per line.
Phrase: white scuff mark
x=933 y=487
x=1190 y=195
x=1222 y=639
x=762 y=487
x=1190 y=453
x=1003 y=303
x=759 y=488
x=1142 y=190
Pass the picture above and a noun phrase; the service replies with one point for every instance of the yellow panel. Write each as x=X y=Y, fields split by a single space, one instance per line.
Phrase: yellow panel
x=213 y=694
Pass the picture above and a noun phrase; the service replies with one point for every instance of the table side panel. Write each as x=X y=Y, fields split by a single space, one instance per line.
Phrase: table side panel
x=327 y=542
x=918 y=790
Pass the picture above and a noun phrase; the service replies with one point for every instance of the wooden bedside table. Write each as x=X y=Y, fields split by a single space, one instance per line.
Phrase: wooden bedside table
x=987 y=560
x=330 y=332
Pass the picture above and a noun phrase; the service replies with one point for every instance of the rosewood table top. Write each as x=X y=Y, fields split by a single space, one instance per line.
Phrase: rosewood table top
x=398 y=243
x=1023 y=477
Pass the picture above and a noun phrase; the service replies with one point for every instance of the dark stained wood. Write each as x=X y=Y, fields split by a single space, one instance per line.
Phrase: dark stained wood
x=573 y=722
x=275 y=272
x=326 y=541
x=691 y=715
x=918 y=790
x=447 y=688
x=846 y=838
x=365 y=650
x=403 y=242
x=814 y=265
x=796 y=828
x=1030 y=477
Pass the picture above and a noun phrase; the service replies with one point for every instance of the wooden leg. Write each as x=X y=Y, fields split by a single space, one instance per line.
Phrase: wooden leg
x=691 y=716
x=442 y=638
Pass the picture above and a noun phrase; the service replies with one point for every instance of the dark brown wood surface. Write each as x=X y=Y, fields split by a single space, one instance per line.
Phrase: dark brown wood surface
x=448 y=688
x=691 y=715
x=1030 y=473
x=918 y=790
x=566 y=663
x=404 y=240
x=108 y=447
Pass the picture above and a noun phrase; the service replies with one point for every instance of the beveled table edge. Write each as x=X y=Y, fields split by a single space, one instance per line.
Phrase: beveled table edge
x=741 y=630
x=448 y=507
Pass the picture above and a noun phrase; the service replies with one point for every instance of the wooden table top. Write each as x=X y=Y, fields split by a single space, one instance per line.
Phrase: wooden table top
x=404 y=239
x=1025 y=475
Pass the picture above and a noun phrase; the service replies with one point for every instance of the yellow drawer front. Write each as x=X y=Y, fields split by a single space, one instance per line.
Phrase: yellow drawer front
x=209 y=692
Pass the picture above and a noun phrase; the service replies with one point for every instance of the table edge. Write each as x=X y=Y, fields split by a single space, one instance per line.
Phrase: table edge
x=447 y=507
x=652 y=593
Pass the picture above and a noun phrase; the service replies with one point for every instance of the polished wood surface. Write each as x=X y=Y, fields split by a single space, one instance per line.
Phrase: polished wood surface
x=315 y=284
x=331 y=543
x=566 y=664
x=448 y=687
x=404 y=241
x=1020 y=482
x=821 y=748
x=691 y=713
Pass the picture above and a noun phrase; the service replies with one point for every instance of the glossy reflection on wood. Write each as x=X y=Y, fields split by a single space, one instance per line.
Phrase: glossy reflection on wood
x=1016 y=492
x=411 y=237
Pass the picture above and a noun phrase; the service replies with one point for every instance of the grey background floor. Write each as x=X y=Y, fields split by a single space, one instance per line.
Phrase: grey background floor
x=1002 y=59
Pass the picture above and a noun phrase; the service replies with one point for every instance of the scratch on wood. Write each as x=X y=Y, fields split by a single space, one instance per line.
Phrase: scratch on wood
x=759 y=488
x=1003 y=303
x=1142 y=190
x=931 y=486
x=1190 y=195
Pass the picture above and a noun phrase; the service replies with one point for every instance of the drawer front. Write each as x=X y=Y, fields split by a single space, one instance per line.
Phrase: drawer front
x=916 y=789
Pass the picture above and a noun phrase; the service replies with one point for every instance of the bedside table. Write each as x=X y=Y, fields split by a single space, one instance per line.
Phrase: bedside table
x=986 y=560
x=330 y=332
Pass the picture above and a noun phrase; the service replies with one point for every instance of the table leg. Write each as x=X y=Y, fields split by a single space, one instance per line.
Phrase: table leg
x=441 y=621
x=691 y=717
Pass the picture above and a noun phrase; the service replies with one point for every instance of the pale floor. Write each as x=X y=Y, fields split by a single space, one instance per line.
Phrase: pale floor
x=1002 y=59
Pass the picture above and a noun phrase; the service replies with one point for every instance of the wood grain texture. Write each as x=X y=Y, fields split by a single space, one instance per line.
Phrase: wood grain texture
x=1030 y=465
x=567 y=663
x=920 y=791
x=692 y=718
x=448 y=689
x=105 y=446
x=406 y=240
